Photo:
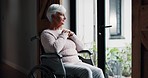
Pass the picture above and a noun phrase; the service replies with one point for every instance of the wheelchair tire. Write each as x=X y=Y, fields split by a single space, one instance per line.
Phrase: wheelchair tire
x=41 y=71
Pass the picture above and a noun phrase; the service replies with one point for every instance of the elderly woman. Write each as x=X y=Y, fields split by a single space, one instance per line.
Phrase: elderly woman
x=66 y=43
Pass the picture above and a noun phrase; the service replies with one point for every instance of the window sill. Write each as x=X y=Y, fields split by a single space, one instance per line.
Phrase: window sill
x=117 y=37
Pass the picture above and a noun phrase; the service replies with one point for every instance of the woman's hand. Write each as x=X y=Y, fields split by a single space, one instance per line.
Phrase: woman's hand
x=70 y=33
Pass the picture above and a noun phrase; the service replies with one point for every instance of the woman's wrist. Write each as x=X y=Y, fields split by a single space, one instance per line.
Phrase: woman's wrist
x=71 y=33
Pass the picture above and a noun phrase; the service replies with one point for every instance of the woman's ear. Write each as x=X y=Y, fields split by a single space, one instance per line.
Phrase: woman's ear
x=53 y=15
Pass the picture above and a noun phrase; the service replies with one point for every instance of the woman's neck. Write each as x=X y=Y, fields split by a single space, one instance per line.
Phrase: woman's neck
x=54 y=26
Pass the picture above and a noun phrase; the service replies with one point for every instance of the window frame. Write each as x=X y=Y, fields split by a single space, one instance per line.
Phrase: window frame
x=116 y=29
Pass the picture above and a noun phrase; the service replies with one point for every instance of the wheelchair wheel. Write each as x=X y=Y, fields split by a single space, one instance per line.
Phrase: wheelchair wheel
x=40 y=71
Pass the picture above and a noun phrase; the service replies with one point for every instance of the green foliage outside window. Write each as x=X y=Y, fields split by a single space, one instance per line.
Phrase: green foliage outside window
x=122 y=56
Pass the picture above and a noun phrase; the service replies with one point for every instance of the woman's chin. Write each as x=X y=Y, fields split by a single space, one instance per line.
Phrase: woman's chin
x=62 y=23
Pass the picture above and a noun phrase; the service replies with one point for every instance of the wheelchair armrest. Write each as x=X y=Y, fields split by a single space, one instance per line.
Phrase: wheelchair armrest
x=85 y=59
x=86 y=51
x=51 y=55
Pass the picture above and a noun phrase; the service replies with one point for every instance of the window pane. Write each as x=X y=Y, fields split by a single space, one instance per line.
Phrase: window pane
x=115 y=17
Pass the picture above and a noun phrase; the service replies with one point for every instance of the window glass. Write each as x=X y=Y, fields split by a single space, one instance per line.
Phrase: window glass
x=115 y=18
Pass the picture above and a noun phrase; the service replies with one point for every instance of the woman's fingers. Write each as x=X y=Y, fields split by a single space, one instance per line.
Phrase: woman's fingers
x=70 y=33
x=66 y=31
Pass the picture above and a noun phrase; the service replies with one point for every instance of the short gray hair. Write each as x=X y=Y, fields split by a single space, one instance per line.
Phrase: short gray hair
x=53 y=9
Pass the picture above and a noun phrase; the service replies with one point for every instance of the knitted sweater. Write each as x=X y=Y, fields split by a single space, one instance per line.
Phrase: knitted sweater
x=55 y=41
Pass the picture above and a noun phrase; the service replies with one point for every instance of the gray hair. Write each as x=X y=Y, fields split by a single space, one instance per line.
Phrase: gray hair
x=53 y=9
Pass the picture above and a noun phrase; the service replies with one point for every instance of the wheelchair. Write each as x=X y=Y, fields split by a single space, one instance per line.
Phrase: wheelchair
x=51 y=65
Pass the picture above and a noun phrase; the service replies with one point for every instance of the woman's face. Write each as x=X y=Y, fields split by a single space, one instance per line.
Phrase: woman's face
x=59 y=19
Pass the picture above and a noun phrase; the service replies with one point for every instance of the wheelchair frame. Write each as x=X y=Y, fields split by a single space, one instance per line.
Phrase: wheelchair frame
x=44 y=70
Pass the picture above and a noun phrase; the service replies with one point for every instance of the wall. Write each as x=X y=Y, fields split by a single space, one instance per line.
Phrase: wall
x=18 y=26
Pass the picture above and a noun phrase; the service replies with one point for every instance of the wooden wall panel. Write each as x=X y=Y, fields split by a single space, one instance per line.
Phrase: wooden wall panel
x=144 y=2
x=144 y=18
x=143 y=24
x=144 y=63
x=136 y=43
x=139 y=38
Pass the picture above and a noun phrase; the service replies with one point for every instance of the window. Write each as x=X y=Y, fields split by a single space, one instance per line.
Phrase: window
x=86 y=25
x=115 y=19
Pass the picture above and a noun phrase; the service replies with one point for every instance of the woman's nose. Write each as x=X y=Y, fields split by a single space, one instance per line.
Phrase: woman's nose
x=64 y=17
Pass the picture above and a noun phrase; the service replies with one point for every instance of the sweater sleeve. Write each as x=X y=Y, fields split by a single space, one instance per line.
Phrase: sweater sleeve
x=49 y=42
x=79 y=44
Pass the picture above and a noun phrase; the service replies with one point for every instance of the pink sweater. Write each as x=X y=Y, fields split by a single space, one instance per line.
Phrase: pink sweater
x=54 y=41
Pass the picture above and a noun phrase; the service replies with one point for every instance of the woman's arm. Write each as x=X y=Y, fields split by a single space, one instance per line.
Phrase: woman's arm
x=50 y=42
x=79 y=44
